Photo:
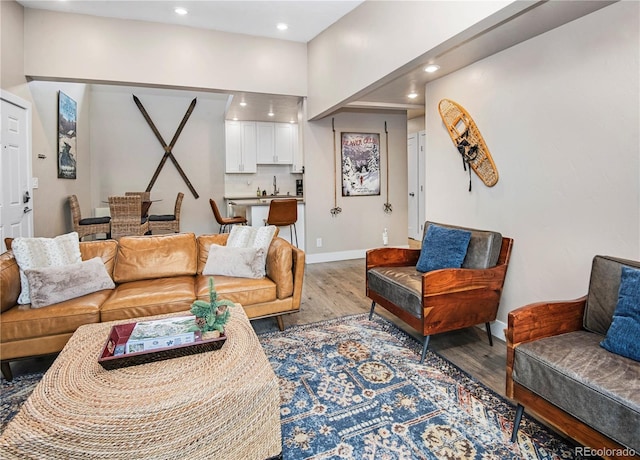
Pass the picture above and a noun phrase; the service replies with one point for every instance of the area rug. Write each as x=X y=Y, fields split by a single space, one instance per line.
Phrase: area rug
x=354 y=389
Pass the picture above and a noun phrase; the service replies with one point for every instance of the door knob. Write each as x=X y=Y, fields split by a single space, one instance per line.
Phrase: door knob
x=27 y=209
x=26 y=197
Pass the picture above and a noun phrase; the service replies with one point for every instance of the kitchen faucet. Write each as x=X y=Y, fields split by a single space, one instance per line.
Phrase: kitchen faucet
x=275 y=186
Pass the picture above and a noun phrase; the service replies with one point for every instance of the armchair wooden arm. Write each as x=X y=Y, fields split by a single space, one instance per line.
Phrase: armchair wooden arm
x=392 y=257
x=539 y=320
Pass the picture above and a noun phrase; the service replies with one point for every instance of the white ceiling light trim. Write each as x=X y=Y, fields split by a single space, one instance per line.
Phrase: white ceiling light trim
x=181 y=11
x=432 y=68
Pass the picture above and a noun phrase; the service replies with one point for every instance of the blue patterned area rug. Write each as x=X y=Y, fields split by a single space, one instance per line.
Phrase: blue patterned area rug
x=354 y=389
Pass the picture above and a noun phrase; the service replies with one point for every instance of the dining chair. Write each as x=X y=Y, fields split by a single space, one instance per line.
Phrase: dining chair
x=145 y=197
x=126 y=216
x=89 y=225
x=225 y=222
x=283 y=213
x=167 y=222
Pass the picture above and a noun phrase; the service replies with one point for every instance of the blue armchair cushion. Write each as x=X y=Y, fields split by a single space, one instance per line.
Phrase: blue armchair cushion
x=443 y=248
x=622 y=336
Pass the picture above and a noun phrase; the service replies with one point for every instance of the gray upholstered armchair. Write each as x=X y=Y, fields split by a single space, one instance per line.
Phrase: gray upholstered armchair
x=557 y=369
x=446 y=299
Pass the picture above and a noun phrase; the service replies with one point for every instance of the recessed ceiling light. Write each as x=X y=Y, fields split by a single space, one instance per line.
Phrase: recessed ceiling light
x=291 y=121
x=181 y=11
x=412 y=95
x=271 y=114
x=282 y=26
x=243 y=104
x=235 y=118
x=431 y=68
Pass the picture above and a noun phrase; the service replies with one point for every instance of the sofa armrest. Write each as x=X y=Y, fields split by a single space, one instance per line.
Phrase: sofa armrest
x=391 y=257
x=539 y=320
x=298 y=276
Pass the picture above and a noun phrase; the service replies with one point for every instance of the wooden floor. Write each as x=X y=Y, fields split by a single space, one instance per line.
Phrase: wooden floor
x=335 y=289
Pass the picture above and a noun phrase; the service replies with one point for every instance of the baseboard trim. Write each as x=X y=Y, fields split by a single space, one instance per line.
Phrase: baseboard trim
x=497 y=329
x=337 y=256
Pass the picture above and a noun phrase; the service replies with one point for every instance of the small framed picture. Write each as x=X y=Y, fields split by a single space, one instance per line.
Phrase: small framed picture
x=360 y=164
x=67 y=116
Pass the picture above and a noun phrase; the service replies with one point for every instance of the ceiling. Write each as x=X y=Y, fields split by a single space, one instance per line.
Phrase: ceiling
x=308 y=18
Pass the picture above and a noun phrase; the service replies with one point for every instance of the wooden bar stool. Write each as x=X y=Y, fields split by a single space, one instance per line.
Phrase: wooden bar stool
x=284 y=213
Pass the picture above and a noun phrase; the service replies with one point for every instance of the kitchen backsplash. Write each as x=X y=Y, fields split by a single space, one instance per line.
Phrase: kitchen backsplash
x=247 y=184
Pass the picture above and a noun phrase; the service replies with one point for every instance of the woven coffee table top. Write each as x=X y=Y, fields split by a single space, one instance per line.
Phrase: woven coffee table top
x=218 y=404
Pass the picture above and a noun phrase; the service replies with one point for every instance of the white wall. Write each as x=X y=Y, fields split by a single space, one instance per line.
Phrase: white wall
x=379 y=37
x=126 y=153
x=360 y=224
x=560 y=114
x=89 y=48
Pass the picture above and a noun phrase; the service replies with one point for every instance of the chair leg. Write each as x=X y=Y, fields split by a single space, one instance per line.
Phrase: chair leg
x=488 y=326
x=424 y=348
x=280 y=322
x=516 y=422
x=373 y=305
x=6 y=371
x=292 y=232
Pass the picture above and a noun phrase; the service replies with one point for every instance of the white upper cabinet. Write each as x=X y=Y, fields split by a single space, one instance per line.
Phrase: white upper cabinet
x=241 y=147
x=266 y=142
x=276 y=142
x=297 y=165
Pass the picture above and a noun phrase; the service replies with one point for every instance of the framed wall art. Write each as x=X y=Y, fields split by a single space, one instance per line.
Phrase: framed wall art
x=67 y=145
x=360 y=164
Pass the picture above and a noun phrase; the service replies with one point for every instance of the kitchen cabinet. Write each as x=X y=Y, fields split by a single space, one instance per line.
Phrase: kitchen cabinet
x=276 y=142
x=297 y=165
x=240 y=147
x=265 y=136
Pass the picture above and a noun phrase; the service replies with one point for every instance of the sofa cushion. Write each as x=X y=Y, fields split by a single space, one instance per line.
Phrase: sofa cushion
x=244 y=291
x=402 y=286
x=484 y=246
x=241 y=262
x=149 y=297
x=44 y=252
x=624 y=334
x=51 y=285
x=22 y=322
x=160 y=256
x=443 y=248
x=204 y=243
x=574 y=373
x=105 y=249
x=602 y=296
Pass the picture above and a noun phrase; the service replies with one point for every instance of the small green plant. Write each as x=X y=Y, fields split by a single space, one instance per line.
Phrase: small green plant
x=212 y=315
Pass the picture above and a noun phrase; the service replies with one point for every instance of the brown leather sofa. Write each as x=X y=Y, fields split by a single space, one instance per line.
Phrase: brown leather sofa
x=153 y=275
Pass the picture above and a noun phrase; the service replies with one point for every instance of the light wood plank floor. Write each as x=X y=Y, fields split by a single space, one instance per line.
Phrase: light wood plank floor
x=336 y=289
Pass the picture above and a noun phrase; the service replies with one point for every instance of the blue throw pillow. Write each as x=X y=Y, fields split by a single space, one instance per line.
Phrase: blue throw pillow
x=623 y=336
x=443 y=248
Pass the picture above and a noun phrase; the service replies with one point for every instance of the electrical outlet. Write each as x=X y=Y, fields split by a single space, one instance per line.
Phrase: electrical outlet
x=318 y=242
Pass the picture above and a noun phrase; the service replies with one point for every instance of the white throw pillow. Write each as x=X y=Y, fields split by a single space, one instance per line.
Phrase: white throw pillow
x=51 y=285
x=244 y=236
x=240 y=262
x=44 y=252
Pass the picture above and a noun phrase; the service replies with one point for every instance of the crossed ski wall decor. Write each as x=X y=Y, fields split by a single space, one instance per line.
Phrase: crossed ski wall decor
x=168 y=148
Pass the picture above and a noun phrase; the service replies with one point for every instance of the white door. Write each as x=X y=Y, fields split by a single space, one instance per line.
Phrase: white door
x=16 y=202
x=422 y=186
x=412 y=186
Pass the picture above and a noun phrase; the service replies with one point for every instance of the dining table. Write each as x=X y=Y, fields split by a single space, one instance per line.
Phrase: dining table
x=146 y=204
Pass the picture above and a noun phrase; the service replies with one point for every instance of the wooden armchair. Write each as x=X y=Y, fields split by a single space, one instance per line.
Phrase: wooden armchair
x=126 y=216
x=440 y=300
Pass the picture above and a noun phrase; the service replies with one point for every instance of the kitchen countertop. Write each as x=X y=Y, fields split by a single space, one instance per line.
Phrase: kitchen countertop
x=258 y=201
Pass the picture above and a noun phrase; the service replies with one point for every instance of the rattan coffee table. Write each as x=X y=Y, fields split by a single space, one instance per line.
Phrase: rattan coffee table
x=222 y=404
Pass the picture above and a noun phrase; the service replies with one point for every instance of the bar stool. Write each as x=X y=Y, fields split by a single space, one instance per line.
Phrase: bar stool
x=283 y=213
x=225 y=222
